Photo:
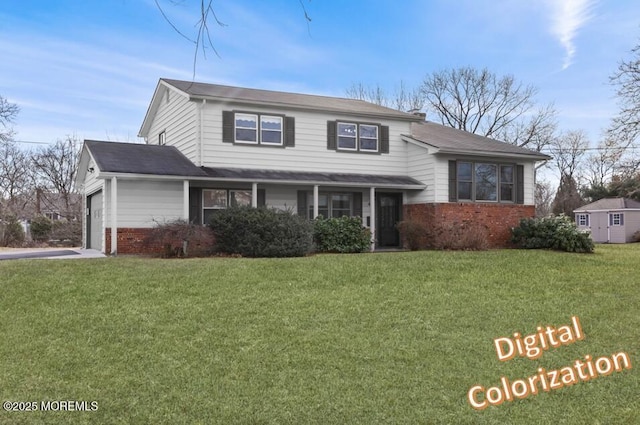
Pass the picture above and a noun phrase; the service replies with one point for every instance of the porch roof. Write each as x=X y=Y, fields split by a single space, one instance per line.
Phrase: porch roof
x=305 y=177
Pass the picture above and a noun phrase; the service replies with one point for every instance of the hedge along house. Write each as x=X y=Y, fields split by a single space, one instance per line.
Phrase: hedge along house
x=209 y=147
x=610 y=220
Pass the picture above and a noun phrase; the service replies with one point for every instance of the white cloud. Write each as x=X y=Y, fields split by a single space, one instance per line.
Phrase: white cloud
x=567 y=17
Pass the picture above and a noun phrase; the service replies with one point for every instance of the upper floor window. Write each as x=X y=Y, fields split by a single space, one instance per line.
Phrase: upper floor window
x=162 y=138
x=258 y=129
x=484 y=182
x=582 y=219
x=357 y=137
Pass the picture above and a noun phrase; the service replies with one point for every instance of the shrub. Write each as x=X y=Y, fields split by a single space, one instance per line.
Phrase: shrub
x=414 y=234
x=11 y=232
x=41 y=227
x=636 y=237
x=465 y=236
x=344 y=234
x=179 y=238
x=261 y=232
x=66 y=232
x=557 y=232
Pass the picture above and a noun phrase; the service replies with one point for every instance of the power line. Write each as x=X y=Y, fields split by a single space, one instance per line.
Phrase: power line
x=29 y=142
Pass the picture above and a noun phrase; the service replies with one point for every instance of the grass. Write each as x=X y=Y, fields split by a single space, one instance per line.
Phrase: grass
x=328 y=339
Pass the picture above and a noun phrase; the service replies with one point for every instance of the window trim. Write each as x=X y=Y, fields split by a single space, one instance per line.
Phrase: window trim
x=616 y=219
x=357 y=137
x=259 y=128
x=329 y=208
x=498 y=184
x=582 y=219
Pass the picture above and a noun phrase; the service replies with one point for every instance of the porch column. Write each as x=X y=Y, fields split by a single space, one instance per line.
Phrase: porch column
x=372 y=214
x=316 y=189
x=254 y=195
x=185 y=200
x=114 y=215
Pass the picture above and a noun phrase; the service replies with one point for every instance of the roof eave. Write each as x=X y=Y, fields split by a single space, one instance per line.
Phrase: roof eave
x=532 y=157
x=108 y=175
x=292 y=106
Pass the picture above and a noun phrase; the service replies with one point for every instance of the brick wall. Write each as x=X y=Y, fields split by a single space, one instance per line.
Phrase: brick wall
x=131 y=241
x=498 y=218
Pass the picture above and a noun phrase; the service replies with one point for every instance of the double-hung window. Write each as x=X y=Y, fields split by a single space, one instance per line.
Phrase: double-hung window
x=258 y=129
x=357 y=137
x=331 y=205
x=218 y=199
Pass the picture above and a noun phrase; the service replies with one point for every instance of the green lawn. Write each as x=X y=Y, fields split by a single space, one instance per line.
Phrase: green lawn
x=328 y=339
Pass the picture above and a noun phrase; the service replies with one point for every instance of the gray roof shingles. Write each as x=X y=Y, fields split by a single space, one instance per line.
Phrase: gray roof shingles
x=610 y=204
x=295 y=100
x=454 y=140
x=134 y=158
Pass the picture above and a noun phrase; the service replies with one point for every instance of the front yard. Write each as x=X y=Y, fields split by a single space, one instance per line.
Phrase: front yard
x=328 y=339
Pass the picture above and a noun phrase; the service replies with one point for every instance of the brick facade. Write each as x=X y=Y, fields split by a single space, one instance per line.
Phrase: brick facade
x=497 y=218
x=131 y=241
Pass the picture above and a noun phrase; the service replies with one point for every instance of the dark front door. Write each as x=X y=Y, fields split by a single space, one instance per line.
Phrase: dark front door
x=388 y=215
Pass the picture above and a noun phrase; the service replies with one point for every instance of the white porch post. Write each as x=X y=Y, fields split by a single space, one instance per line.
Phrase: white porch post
x=254 y=195
x=316 y=190
x=114 y=215
x=185 y=200
x=372 y=214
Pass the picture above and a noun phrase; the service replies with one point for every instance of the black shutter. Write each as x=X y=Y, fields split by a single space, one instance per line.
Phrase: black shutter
x=262 y=198
x=228 y=126
x=519 y=184
x=384 y=139
x=289 y=132
x=302 y=203
x=332 y=133
x=453 y=182
x=357 y=204
x=195 y=205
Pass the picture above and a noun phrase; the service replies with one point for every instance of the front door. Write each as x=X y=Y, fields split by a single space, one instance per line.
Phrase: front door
x=94 y=221
x=388 y=215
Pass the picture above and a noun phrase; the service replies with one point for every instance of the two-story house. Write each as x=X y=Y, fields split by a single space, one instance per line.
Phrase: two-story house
x=210 y=146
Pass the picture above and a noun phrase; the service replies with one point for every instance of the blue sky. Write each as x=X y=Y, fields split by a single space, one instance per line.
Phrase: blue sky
x=89 y=68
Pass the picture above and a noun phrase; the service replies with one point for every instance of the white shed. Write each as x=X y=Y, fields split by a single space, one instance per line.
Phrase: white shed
x=610 y=220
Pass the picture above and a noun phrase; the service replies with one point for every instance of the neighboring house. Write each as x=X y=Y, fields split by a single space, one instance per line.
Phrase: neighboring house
x=610 y=220
x=210 y=146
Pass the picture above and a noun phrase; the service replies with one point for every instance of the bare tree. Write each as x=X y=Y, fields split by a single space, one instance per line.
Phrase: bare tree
x=15 y=179
x=56 y=167
x=626 y=124
x=569 y=150
x=402 y=98
x=543 y=196
x=8 y=112
x=480 y=102
x=201 y=38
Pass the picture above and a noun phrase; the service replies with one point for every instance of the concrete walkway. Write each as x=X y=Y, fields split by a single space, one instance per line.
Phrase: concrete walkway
x=50 y=254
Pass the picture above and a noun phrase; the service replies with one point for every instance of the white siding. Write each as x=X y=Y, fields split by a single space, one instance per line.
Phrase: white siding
x=421 y=166
x=177 y=117
x=310 y=152
x=631 y=224
x=142 y=204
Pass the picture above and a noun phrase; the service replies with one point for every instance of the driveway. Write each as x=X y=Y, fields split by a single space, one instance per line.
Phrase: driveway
x=58 y=254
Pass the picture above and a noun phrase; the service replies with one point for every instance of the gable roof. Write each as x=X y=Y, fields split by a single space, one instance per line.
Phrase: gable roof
x=271 y=98
x=606 y=204
x=453 y=141
x=135 y=158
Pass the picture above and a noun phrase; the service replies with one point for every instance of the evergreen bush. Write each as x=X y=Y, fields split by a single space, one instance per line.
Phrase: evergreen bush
x=261 y=232
x=41 y=227
x=557 y=232
x=11 y=231
x=344 y=235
